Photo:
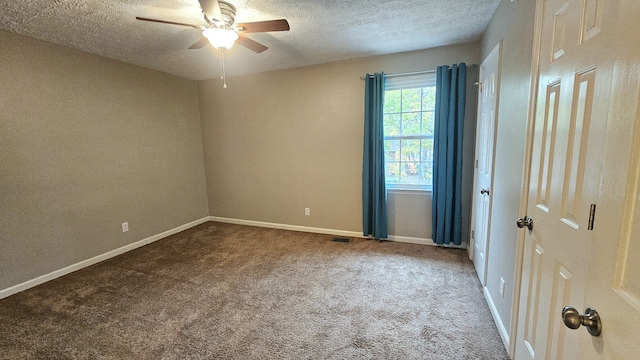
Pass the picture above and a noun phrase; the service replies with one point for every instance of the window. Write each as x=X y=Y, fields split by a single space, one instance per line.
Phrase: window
x=409 y=104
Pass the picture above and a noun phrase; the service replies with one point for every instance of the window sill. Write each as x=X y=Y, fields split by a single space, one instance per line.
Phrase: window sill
x=407 y=191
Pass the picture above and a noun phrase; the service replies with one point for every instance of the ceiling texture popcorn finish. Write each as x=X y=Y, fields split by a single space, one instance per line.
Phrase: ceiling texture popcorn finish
x=321 y=31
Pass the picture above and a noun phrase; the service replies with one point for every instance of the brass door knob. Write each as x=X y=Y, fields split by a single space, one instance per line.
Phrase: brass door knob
x=525 y=222
x=591 y=320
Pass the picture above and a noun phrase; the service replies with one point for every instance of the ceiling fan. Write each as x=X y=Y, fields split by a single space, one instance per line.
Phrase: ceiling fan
x=221 y=30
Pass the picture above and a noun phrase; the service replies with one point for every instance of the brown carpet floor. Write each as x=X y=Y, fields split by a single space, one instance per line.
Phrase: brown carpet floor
x=223 y=291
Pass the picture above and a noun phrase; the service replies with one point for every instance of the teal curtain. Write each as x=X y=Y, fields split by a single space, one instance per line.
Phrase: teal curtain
x=374 y=191
x=447 y=154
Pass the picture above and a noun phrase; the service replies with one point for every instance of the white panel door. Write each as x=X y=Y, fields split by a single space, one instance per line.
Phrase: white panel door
x=613 y=284
x=575 y=131
x=485 y=134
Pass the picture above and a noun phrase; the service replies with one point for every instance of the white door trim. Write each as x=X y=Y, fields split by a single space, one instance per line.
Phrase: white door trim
x=526 y=170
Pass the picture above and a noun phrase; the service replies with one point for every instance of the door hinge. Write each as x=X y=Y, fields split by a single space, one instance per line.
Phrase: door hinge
x=592 y=216
x=473 y=234
x=476 y=163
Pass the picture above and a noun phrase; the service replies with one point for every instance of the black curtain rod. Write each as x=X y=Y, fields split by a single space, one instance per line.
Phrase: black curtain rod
x=413 y=73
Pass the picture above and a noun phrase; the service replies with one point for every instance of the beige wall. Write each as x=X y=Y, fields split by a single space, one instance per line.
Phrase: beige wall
x=512 y=23
x=281 y=141
x=89 y=143
x=86 y=144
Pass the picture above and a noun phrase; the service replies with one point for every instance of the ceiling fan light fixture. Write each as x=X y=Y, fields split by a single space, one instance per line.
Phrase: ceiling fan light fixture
x=220 y=38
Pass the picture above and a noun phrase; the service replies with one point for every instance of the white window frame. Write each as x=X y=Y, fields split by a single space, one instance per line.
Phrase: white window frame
x=400 y=82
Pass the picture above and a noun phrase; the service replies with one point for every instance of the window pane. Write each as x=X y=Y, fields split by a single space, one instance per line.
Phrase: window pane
x=410 y=150
x=426 y=173
x=429 y=98
x=392 y=101
x=392 y=150
x=411 y=123
x=410 y=174
x=411 y=99
x=392 y=175
x=426 y=150
x=391 y=124
x=427 y=123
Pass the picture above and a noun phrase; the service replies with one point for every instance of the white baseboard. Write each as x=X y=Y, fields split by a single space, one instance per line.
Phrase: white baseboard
x=96 y=259
x=286 y=227
x=403 y=239
x=504 y=333
x=411 y=240
x=424 y=241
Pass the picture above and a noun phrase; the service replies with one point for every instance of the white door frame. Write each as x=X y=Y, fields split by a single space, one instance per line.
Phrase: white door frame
x=526 y=171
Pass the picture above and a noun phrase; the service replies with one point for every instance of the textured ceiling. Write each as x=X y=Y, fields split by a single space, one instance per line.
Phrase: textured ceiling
x=321 y=31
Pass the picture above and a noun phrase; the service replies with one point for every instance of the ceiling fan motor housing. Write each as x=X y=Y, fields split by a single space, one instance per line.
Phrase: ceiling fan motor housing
x=228 y=15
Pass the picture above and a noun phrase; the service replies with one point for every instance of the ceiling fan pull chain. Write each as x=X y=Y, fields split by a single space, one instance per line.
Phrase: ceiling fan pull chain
x=222 y=75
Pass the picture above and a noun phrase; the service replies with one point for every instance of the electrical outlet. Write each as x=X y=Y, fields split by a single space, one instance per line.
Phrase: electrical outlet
x=502 y=287
x=125 y=226
x=307 y=211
